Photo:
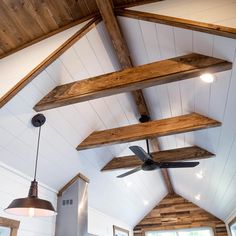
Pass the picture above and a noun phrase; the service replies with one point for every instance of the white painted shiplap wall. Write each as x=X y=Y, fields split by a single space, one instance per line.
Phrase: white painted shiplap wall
x=102 y=225
x=25 y=60
x=15 y=185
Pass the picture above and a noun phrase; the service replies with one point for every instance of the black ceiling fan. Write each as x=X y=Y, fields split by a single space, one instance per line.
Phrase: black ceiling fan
x=149 y=164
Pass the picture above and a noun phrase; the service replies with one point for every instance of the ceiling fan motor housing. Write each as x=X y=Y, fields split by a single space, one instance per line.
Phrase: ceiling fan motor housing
x=149 y=165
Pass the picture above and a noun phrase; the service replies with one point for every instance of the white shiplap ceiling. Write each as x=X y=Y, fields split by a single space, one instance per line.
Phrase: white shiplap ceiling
x=66 y=127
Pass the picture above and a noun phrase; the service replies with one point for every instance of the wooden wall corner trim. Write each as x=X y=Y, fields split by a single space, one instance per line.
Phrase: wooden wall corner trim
x=179 y=22
x=78 y=176
x=47 y=61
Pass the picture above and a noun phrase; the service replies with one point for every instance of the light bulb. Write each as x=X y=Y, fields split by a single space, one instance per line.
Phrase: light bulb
x=207 y=77
x=128 y=183
x=145 y=202
x=31 y=212
x=199 y=174
x=198 y=197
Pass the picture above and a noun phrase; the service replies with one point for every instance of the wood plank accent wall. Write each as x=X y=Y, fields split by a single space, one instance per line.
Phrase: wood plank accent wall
x=26 y=22
x=175 y=212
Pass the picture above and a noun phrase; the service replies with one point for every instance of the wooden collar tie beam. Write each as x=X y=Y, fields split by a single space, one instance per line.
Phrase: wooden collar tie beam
x=151 y=129
x=157 y=73
x=179 y=154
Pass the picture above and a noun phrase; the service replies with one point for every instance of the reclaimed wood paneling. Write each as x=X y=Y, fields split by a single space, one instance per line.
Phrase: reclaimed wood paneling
x=25 y=22
x=175 y=212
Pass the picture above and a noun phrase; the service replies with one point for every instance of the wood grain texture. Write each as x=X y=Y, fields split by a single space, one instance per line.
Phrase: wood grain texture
x=51 y=58
x=166 y=177
x=179 y=22
x=130 y=79
x=79 y=176
x=106 y=10
x=157 y=128
x=179 y=154
x=26 y=22
x=175 y=212
x=47 y=35
x=10 y=223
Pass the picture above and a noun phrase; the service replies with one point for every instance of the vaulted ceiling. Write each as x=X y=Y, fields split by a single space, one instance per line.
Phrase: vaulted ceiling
x=26 y=22
x=67 y=126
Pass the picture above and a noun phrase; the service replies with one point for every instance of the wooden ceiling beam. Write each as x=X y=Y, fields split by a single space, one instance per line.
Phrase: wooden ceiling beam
x=131 y=79
x=106 y=10
x=179 y=154
x=151 y=129
x=166 y=177
x=50 y=59
x=179 y=22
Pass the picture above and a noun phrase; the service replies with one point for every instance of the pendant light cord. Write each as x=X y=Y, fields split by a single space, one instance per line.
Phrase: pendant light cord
x=147 y=146
x=37 y=154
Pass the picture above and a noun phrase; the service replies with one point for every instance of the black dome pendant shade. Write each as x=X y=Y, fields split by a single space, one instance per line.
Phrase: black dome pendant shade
x=32 y=205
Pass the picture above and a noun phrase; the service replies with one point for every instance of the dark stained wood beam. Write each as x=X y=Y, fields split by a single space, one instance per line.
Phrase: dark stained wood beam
x=130 y=79
x=151 y=129
x=180 y=22
x=179 y=154
x=106 y=10
x=45 y=63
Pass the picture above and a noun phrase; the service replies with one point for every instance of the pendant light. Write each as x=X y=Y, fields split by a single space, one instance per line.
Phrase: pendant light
x=32 y=205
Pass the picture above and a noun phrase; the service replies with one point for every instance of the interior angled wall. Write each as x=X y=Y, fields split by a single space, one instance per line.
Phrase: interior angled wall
x=175 y=212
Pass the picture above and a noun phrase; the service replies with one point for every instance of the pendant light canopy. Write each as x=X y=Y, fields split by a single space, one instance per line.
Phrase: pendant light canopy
x=32 y=205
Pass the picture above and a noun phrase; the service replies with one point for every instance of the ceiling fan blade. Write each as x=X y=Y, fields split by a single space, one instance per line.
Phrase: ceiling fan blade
x=177 y=164
x=140 y=153
x=130 y=172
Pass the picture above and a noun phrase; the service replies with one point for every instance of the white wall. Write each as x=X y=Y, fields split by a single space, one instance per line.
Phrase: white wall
x=15 y=185
x=102 y=225
x=14 y=67
x=230 y=218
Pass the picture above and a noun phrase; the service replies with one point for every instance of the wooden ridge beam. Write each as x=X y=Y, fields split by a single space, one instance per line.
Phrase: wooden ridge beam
x=179 y=22
x=46 y=62
x=157 y=73
x=179 y=154
x=167 y=180
x=106 y=10
x=151 y=129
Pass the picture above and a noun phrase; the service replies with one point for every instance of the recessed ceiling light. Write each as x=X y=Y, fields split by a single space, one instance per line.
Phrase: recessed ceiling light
x=145 y=202
x=207 y=77
x=198 y=197
x=128 y=183
x=199 y=174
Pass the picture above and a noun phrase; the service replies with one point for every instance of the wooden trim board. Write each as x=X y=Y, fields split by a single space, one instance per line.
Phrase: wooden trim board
x=179 y=22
